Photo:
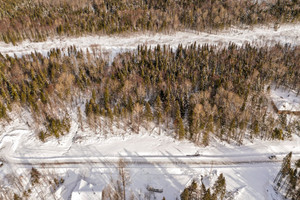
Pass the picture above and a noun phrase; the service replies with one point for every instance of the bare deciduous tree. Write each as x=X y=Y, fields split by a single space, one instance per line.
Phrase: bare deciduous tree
x=123 y=176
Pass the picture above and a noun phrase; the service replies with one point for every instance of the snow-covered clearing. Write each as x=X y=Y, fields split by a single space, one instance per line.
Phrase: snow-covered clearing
x=158 y=161
x=285 y=100
x=114 y=44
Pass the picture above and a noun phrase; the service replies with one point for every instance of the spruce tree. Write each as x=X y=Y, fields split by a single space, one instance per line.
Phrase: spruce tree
x=179 y=123
x=167 y=110
x=285 y=168
x=185 y=194
x=158 y=112
x=106 y=99
x=219 y=188
x=148 y=113
x=207 y=195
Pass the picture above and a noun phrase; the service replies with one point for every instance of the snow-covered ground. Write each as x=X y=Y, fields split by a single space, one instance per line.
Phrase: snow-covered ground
x=289 y=33
x=285 y=100
x=158 y=161
x=154 y=160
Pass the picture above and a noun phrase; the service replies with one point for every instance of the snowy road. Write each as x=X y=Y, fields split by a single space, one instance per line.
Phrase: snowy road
x=106 y=161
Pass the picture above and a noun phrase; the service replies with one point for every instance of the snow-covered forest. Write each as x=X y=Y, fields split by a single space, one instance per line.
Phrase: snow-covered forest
x=139 y=99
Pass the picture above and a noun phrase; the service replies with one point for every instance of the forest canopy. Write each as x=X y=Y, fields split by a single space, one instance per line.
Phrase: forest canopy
x=195 y=90
x=38 y=19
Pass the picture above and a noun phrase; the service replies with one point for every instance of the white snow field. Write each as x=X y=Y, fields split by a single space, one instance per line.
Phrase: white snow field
x=261 y=35
x=285 y=100
x=159 y=161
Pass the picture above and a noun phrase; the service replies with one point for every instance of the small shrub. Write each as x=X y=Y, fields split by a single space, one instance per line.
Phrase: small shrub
x=35 y=176
x=16 y=197
x=42 y=136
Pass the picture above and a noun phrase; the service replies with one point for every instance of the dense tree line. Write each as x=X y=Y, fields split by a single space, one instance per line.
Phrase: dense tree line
x=196 y=90
x=38 y=19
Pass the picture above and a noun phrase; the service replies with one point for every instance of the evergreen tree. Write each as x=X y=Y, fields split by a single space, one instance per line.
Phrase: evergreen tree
x=148 y=113
x=158 y=112
x=205 y=138
x=219 y=188
x=285 y=169
x=179 y=123
x=207 y=195
x=167 y=110
x=106 y=99
x=185 y=194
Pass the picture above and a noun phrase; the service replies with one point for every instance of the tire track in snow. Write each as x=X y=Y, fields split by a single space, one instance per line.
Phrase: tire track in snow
x=158 y=160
